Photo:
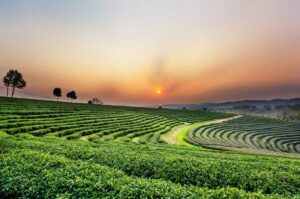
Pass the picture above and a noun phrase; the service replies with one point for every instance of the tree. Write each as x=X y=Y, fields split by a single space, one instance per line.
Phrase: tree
x=13 y=79
x=57 y=92
x=72 y=95
x=95 y=101
x=7 y=80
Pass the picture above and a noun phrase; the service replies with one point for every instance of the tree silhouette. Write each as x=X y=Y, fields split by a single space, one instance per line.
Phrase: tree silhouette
x=57 y=92
x=72 y=95
x=13 y=79
x=7 y=80
x=95 y=101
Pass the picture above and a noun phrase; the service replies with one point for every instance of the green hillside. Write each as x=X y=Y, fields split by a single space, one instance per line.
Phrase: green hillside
x=250 y=132
x=95 y=123
x=63 y=150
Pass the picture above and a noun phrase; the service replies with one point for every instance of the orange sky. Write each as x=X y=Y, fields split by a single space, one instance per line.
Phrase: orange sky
x=193 y=51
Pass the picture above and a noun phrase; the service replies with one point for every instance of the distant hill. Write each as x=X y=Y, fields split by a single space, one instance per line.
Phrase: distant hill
x=279 y=108
x=236 y=104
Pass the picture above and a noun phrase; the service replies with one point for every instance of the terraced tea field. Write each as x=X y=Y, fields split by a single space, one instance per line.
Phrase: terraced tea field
x=51 y=167
x=92 y=122
x=64 y=150
x=249 y=132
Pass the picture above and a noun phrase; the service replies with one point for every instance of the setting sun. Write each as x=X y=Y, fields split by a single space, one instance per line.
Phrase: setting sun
x=158 y=91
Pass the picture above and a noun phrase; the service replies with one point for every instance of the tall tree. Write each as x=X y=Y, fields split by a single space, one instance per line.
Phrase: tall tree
x=72 y=95
x=57 y=92
x=13 y=79
x=7 y=80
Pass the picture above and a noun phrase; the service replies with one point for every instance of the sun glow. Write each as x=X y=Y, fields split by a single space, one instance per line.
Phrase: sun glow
x=158 y=91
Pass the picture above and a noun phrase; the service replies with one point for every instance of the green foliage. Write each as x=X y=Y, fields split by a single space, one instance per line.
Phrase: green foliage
x=4 y=143
x=73 y=121
x=250 y=133
x=181 y=165
x=50 y=167
x=37 y=175
x=62 y=150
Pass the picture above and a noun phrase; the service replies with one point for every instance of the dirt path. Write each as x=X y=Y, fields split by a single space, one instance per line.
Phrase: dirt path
x=178 y=133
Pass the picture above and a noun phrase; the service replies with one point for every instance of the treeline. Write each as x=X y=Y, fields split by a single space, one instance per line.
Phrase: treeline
x=14 y=79
x=57 y=92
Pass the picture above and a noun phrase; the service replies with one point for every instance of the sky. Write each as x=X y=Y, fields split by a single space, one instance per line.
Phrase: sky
x=124 y=51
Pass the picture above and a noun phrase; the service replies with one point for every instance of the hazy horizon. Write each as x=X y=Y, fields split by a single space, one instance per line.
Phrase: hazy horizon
x=124 y=51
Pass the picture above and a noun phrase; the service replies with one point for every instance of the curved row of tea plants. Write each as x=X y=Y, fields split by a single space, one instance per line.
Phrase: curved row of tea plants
x=92 y=122
x=250 y=132
x=50 y=167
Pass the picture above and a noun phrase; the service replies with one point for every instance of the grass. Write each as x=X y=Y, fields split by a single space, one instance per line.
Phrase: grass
x=184 y=133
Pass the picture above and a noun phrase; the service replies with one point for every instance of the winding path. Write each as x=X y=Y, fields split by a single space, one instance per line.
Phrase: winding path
x=178 y=133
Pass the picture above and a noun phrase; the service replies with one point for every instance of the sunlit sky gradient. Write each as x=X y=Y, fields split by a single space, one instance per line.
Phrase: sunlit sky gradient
x=124 y=51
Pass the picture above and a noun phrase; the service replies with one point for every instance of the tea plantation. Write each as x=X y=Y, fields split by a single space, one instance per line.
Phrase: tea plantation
x=250 y=132
x=62 y=150
x=95 y=123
